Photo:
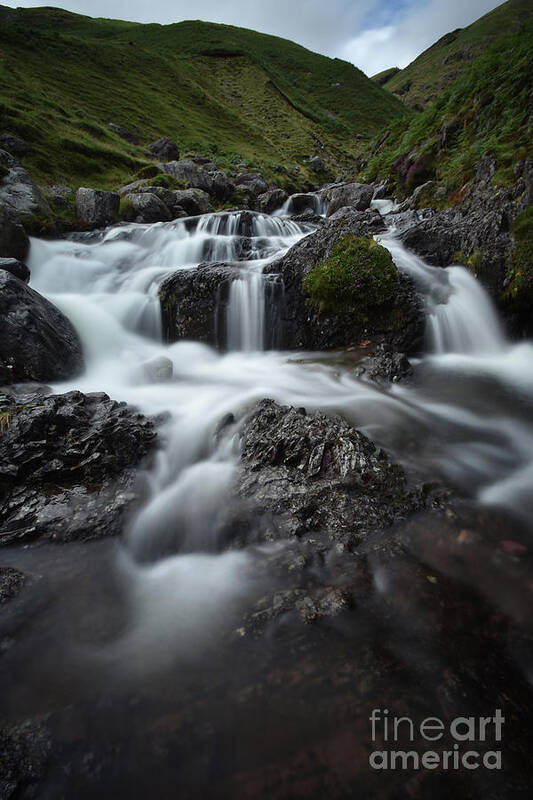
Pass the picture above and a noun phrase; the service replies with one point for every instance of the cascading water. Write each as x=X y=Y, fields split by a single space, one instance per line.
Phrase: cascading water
x=469 y=414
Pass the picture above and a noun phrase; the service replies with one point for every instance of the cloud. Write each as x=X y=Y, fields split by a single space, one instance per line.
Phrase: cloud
x=373 y=34
x=418 y=27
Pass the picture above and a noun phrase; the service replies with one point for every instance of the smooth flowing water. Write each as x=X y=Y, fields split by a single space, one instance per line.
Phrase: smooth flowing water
x=468 y=414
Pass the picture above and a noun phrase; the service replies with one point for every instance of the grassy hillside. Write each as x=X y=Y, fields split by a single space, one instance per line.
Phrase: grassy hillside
x=219 y=91
x=420 y=83
x=487 y=110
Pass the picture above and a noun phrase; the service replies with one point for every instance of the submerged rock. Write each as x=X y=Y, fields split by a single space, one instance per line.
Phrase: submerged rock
x=68 y=465
x=38 y=342
x=313 y=474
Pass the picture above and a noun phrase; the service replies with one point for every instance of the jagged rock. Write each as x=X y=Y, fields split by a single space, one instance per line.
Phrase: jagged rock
x=16 y=268
x=422 y=197
x=316 y=474
x=193 y=303
x=357 y=195
x=19 y=195
x=132 y=138
x=145 y=207
x=97 y=207
x=68 y=465
x=402 y=324
x=268 y=202
x=14 y=144
x=25 y=750
x=385 y=366
x=165 y=149
x=38 y=342
x=194 y=201
x=11 y=582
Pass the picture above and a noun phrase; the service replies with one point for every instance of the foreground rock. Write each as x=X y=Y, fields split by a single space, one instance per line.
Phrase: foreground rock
x=22 y=206
x=68 y=465
x=97 y=207
x=16 y=268
x=313 y=474
x=38 y=342
x=400 y=323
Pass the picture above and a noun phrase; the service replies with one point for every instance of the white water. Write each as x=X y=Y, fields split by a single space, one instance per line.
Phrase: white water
x=470 y=416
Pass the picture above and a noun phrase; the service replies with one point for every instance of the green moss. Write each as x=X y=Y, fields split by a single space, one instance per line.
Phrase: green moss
x=168 y=182
x=519 y=278
x=149 y=171
x=475 y=262
x=126 y=211
x=358 y=275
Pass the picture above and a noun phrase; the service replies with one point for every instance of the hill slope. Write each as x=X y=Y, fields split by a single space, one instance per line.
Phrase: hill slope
x=440 y=65
x=216 y=89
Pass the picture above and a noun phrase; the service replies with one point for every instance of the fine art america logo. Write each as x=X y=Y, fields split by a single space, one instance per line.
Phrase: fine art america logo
x=455 y=745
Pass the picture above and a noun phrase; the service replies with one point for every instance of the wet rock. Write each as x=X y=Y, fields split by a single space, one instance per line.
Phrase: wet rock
x=299 y=203
x=25 y=750
x=316 y=474
x=193 y=201
x=68 y=466
x=11 y=582
x=385 y=366
x=194 y=303
x=268 y=202
x=97 y=207
x=38 y=342
x=128 y=136
x=16 y=268
x=357 y=195
x=165 y=149
x=302 y=326
x=145 y=207
x=159 y=369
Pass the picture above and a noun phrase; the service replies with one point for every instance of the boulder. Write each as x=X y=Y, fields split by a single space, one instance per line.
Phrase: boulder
x=68 y=465
x=194 y=302
x=317 y=165
x=165 y=149
x=191 y=173
x=222 y=189
x=60 y=196
x=19 y=195
x=301 y=202
x=357 y=195
x=254 y=182
x=97 y=207
x=16 y=268
x=271 y=201
x=159 y=369
x=14 y=144
x=193 y=201
x=14 y=241
x=132 y=138
x=38 y=342
x=316 y=474
x=401 y=323
x=145 y=207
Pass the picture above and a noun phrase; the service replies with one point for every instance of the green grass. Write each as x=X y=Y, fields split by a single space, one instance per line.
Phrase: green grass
x=486 y=112
x=359 y=275
x=519 y=278
x=223 y=92
x=420 y=83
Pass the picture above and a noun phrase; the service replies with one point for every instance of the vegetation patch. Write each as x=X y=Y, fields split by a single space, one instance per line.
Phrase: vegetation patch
x=519 y=278
x=358 y=276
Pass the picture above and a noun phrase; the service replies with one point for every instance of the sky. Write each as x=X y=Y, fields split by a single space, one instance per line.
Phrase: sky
x=372 y=34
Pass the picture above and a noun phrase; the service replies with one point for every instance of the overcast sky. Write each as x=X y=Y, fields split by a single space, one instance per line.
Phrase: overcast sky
x=373 y=34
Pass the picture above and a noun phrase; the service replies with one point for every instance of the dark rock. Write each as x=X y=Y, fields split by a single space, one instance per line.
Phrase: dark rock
x=165 y=149
x=16 y=268
x=19 y=195
x=357 y=195
x=268 y=202
x=132 y=138
x=60 y=196
x=222 y=188
x=11 y=582
x=193 y=303
x=38 y=342
x=166 y=196
x=253 y=181
x=317 y=165
x=302 y=326
x=385 y=366
x=14 y=144
x=25 y=751
x=68 y=466
x=422 y=197
x=193 y=201
x=97 y=207
x=14 y=241
x=190 y=173
x=311 y=473
x=301 y=202
x=145 y=207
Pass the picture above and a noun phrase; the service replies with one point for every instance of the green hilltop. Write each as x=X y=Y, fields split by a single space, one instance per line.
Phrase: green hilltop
x=420 y=83
x=220 y=91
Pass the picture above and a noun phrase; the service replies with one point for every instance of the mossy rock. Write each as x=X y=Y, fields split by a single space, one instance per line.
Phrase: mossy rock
x=358 y=276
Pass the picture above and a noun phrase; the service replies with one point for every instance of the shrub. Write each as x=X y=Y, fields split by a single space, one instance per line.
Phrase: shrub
x=358 y=276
